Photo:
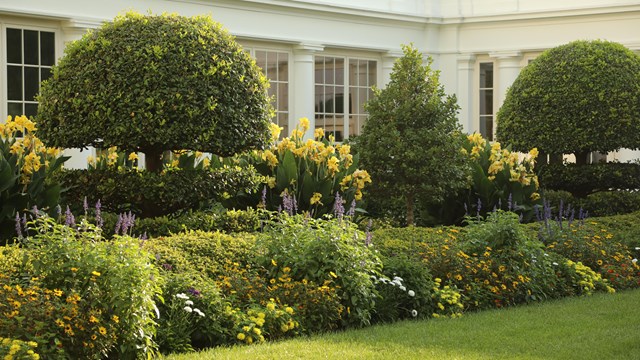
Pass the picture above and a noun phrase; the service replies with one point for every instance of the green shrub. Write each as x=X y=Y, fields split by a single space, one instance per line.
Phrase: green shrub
x=602 y=203
x=200 y=252
x=155 y=194
x=104 y=293
x=582 y=180
x=26 y=169
x=325 y=250
x=575 y=98
x=180 y=83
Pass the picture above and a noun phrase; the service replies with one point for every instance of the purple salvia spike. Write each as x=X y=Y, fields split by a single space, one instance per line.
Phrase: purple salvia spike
x=59 y=212
x=479 y=208
x=18 y=226
x=99 y=220
x=352 y=208
x=263 y=200
x=118 y=225
x=509 y=202
x=35 y=210
x=338 y=207
x=69 y=219
x=24 y=220
x=85 y=206
x=369 y=237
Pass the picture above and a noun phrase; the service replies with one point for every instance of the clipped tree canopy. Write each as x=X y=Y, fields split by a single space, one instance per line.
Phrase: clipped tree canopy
x=576 y=98
x=152 y=83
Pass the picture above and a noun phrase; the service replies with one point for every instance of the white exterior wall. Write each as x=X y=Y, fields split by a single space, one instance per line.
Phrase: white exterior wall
x=457 y=34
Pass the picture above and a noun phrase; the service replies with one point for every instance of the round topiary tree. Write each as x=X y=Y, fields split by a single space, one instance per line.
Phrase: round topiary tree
x=153 y=83
x=576 y=98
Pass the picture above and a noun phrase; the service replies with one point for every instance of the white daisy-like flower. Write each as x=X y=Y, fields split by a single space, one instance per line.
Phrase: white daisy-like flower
x=634 y=261
x=411 y=293
x=188 y=309
x=197 y=311
x=403 y=288
x=414 y=312
x=555 y=263
x=188 y=302
x=182 y=296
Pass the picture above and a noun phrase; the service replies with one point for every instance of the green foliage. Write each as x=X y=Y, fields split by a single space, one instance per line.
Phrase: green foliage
x=325 y=250
x=602 y=203
x=582 y=180
x=200 y=252
x=409 y=144
x=180 y=83
x=26 y=167
x=106 y=290
x=575 y=98
x=149 y=194
x=311 y=171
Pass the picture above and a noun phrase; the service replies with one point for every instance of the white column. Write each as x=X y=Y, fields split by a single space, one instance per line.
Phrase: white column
x=508 y=70
x=302 y=86
x=388 y=60
x=465 y=93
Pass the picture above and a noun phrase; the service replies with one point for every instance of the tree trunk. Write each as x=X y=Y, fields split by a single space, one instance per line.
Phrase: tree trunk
x=153 y=161
x=582 y=157
x=555 y=158
x=410 y=214
x=542 y=159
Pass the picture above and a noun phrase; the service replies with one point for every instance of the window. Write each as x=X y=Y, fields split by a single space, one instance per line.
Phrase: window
x=336 y=113
x=486 y=100
x=276 y=68
x=30 y=55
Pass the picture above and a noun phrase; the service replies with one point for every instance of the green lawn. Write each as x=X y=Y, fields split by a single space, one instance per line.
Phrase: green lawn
x=603 y=326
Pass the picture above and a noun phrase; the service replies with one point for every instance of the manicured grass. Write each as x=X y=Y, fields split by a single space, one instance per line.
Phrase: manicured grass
x=602 y=326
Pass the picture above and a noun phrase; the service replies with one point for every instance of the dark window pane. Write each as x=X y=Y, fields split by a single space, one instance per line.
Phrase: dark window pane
x=486 y=102
x=486 y=75
x=31 y=83
x=373 y=73
x=30 y=109
x=329 y=71
x=31 y=47
x=339 y=69
x=15 y=109
x=45 y=73
x=283 y=66
x=14 y=46
x=47 y=48
x=14 y=82
x=272 y=66
x=486 y=127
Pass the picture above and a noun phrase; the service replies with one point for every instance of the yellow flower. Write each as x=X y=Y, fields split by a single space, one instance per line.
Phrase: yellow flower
x=133 y=156
x=57 y=292
x=102 y=330
x=274 y=263
x=95 y=273
x=275 y=131
x=93 y=319
x=533 y=153
x=206 y=162
x=318 y=133
x=115 y=319
x=332 y=165
x=271 y=306
x=93 y=337
x=304 y=124
x=74 y=269
x=358 y=195
x=257 y=331
x=315 y=199
x=289 y=310
x=270 y=158
x=535 y=196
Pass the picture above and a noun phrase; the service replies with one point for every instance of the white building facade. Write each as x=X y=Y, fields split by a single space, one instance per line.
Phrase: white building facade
x=322 y=57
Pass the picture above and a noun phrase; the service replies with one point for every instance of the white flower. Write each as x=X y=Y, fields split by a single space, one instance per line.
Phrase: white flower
x=634 y=261
x=414 y=312
x=197 y=311
x=403 y=288
x=545 y=254
x=182 y=296
x=188 y=302
x=555 y=263
x=411 y=293
x=397 y=278
x=637 y=248
x=188 y=309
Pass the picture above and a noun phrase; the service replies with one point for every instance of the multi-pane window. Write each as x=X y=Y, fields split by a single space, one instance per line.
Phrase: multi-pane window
x=30 y=55
x=338 y=114
x=486 y=100
x=362 y=76
x=276 y=68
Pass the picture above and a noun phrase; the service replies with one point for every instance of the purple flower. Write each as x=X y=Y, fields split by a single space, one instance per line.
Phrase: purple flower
x=69 y=219
x=99 y=220
x=167 y=267
x=263 y=200
x=369 y=234
x=85 y=206
x=18 y=226
x=118 y=225
x=352 y=208
x=194 y=292
x=338 y=207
